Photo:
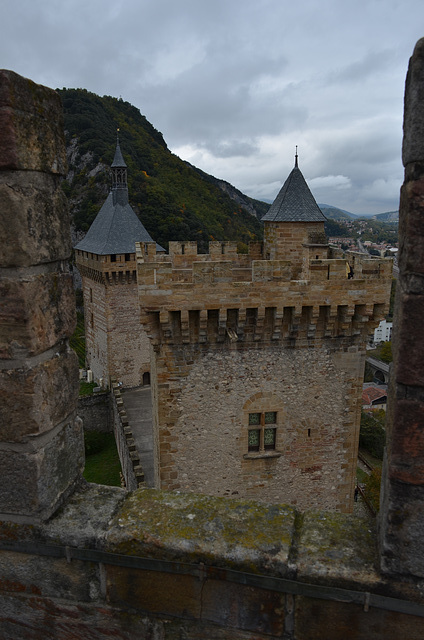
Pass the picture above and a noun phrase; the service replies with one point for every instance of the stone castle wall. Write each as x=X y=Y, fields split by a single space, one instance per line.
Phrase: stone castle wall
x=313 y=464
x=95 y=412
x=227 y=331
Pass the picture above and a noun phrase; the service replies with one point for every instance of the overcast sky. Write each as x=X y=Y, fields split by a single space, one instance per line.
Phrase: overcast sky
x=234 y=85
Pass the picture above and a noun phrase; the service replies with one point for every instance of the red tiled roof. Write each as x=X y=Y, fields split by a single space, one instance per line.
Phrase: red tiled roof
x=372 y=393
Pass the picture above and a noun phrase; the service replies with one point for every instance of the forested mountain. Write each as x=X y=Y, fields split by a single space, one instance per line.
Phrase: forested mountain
x=174 y=200
x=333 y=213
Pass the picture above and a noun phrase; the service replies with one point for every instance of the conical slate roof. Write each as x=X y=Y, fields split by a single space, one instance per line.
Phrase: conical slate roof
x=116 y=228
x=118 y=160
x=295 y=202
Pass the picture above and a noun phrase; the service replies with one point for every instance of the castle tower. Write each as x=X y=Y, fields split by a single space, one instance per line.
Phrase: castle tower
x=258 y=359
x=115 y=345
x=294 y=225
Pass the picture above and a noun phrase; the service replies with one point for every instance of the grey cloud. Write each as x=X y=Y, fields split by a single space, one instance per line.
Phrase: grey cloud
x=237 y=84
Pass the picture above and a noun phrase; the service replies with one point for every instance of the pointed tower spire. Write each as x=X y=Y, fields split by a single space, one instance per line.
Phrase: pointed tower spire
x=119 y=175
x=295 y=158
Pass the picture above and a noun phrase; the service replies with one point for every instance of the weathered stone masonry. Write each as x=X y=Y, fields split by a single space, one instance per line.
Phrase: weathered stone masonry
x=238 y=334
x=158 y=565
x=41 y=456
x=117 y=347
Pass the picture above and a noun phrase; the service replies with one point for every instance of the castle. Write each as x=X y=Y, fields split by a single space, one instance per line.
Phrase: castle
x=256 y=359
x=83 y=560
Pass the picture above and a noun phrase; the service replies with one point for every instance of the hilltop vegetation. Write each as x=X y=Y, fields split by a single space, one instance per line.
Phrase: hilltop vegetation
x=174 y=200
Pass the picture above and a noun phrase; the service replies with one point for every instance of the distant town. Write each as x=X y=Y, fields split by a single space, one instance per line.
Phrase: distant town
x=371 y=235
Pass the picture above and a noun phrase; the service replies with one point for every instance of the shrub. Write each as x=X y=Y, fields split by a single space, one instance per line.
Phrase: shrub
x=372 y=435
x=372 y=487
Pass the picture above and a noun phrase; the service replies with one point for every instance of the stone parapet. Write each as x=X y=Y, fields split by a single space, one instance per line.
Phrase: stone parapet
x=121 y=270
x=156 y=564
x=132 y=469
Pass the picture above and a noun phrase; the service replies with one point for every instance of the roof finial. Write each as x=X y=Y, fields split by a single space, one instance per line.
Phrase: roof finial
x=295 y=158
x=117 y=136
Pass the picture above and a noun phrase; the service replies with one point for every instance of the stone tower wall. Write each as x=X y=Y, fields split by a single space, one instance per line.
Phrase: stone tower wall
x=205 y=447
x=233 y=337
x=293 y=241
x=116 y=344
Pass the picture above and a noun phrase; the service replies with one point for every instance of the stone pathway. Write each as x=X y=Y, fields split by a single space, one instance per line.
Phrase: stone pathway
x=138 y=405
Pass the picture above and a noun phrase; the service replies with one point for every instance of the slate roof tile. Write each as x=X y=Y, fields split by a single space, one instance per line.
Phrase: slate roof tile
x=295 y=202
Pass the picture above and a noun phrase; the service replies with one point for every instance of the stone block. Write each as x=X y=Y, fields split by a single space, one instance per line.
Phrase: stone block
x=236 y=606
x=33 y=478
x=37 y=312
x=407 y=443
x=84 y=520
x=34 y=220
x=411 y=230
x=349 y=556
x=154 y=592
x=31 y=126
x=38 y=618
x=49 y=577
x=408 y=318
x=35 y=399
x=402 y=512
x=413 y=126
x=326 y=620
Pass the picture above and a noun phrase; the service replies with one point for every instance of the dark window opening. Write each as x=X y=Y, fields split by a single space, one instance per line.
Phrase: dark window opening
x=269 y=438
x=127 y=257
x=264 y=437
x=254 y=439
x=146 y=378
x=113 y=257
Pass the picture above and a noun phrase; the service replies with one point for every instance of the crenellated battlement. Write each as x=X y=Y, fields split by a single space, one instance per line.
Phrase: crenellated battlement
x=107 y=269
x=221 y=296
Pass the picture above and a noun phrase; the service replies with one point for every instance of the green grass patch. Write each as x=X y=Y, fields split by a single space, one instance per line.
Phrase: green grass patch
x=86 y=388
x=374 y=462
x=102 y=464
x=361 y=475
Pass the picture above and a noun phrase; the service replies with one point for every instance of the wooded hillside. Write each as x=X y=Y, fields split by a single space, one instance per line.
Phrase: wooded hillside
x=174 y=200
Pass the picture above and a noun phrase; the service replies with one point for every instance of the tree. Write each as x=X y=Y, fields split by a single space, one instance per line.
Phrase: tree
x=372 y=434
x=386 y=352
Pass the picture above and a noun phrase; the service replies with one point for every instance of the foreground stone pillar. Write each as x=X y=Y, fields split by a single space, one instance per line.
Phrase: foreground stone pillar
x=402 y=505
x=41 y=448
